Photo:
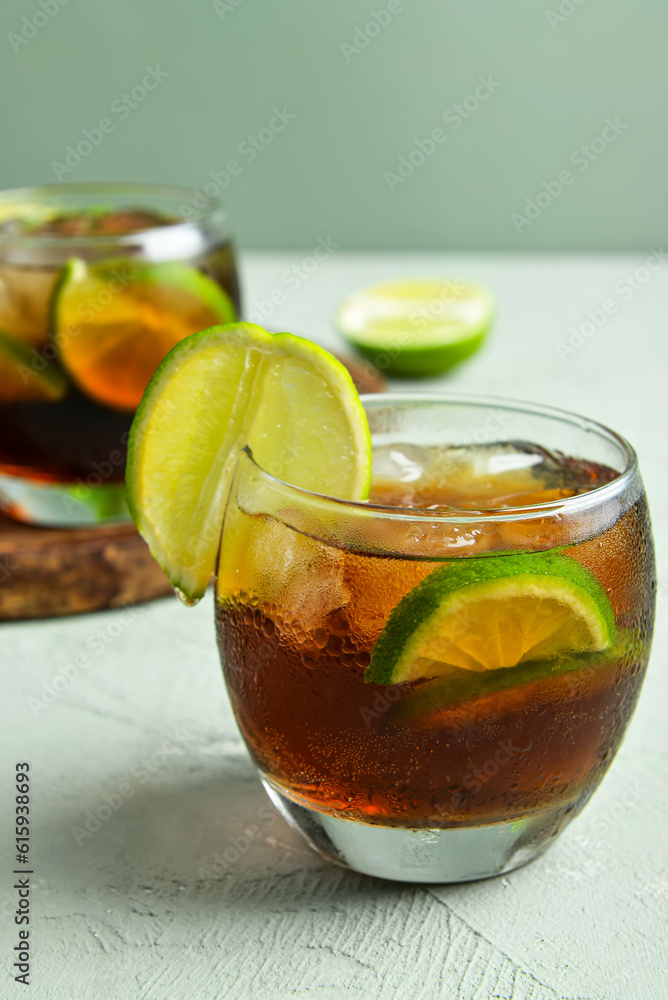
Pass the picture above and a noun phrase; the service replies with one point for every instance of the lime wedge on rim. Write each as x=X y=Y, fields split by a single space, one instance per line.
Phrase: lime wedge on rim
x=493 y=613
x=26 y=376
x=115 y=322
x=417 y=326
x=214 y=393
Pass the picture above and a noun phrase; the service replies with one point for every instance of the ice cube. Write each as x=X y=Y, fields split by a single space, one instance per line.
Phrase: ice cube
x=519 y=461
x=402 y=463
x=269 y=564
x=511 y=461
x=25 y=294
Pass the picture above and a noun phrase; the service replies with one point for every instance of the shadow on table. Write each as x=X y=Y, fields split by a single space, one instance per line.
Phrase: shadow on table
x=191 y=837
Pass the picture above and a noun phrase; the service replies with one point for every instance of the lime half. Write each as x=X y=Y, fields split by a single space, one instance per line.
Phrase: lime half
x=26 y=376
x=115 y=322
x=417 y=326
x=497 y=612
x=215 y=392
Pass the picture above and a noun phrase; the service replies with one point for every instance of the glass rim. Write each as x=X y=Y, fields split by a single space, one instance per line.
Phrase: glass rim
x=214 y=212
x=567 y=505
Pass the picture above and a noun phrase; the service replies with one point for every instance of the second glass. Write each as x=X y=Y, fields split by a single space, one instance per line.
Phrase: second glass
x=97 y=283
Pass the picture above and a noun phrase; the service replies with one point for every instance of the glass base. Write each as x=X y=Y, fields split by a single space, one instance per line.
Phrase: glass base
x=62 y=505
x=455 y=854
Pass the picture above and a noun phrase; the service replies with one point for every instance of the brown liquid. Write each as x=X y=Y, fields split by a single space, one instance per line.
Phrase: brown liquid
x=334 y=742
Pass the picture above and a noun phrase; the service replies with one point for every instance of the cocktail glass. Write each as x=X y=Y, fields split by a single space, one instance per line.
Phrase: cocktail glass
x=474 y=771
x=73 y=364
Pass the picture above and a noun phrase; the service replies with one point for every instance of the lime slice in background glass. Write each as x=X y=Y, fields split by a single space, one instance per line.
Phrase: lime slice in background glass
x=115 y=322
x=214 y=393
x=417 y=326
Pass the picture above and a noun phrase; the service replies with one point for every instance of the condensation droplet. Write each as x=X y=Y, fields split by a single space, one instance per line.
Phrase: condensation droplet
x=189 y=602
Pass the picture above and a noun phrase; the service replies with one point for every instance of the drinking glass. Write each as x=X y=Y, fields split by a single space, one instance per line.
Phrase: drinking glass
x=473 y=772
x=97 y=282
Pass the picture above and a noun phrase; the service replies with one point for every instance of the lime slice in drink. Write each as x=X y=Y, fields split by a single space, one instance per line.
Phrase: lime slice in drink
x=417 y=326
x=486 y=614
x=217 y=391
x=431 y=704
x=115 y=322
x=26 y=375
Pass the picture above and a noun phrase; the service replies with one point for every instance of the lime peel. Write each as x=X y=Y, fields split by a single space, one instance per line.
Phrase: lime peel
x=417 y=326
x=493 y=613
x=426 y=705
x=114 y=322
x=26 y=375
x=216 y=392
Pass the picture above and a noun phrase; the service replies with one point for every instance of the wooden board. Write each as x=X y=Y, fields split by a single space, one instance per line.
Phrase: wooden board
x=53 y=571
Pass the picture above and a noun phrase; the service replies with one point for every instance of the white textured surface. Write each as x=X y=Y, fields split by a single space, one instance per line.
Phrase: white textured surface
x=146 y=907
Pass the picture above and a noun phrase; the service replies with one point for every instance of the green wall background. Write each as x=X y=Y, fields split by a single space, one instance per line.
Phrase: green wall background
x=558 y=70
